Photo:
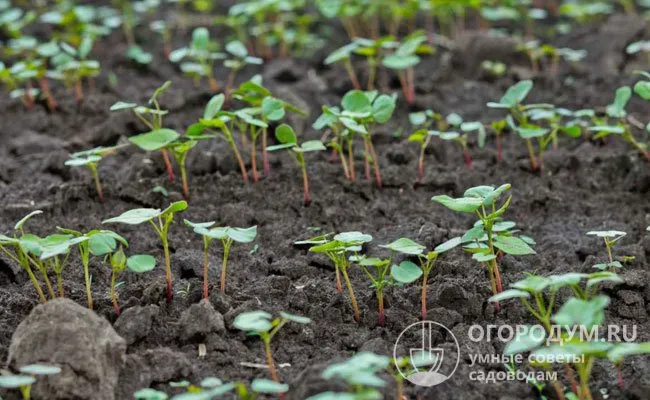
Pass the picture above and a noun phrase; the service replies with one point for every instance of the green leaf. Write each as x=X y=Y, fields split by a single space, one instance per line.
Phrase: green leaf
x=175 y=207
x=141 y=263
x=622 y=350
x=405 y=272
x=149 y=394
x=353 y=125
x=483 y=257
x=400 y=62
x=529 y=133
x=607 y=234
x=101 y=244
x=19 y=224
x=253 y=321
x=135 y=216
x=214 y=106
x=463 y=204
x=600 y=277
x=16 y=381
x=509 y=294
x=356 y=101
x=312 y=145
x=154 y=140
x=448 y=245
x=353 y=237
x=513 y=245
x=200 y=39
x=295 y=318
x=622 y=97
x=533 y=284
x=642 y=89
x=580 y=312
x=516 y=93
x=211 y=382
x=383 y=108
x=40 y=369
x=405 y=246
x=476 y=233
x=242 y=235
x=568 y=279
x=267 y=386
x=526 y=339
x=120 y=105
x=237 y=49
x=286 y=135
x=81 y=161
x=341 y=53
x=273 y=109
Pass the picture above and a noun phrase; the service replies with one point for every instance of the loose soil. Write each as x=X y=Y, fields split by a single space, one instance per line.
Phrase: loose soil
x=584 y=186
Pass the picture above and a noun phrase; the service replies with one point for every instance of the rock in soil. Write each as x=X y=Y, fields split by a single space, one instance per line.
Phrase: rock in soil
x=135 y=322
x=199 y=321
x=85 y=346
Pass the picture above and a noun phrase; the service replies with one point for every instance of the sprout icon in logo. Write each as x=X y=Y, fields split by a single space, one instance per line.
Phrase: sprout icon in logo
x=426 y=353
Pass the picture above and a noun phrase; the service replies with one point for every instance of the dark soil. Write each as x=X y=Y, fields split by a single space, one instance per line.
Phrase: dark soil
x=584 y=186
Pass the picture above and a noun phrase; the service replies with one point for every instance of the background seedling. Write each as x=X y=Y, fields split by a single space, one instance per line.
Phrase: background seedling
x=239 y=58
x=490 y=233
x=343 y=55
x=160 y=220
x=202 y=53
x=72 y=66
x=158 y=137
x=263 y=324
x=360 y=373
x=54 y=253
x=289 y=141
x=91 y=159
x=227 y=236
x=100 y=243
x=610 y=238
x=335 y=249
x=21 y=382
x=423 y=120
x=404 y=60
x=138 y=263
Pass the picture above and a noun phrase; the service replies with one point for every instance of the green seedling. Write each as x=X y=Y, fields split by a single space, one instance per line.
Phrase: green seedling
x=272 y=109
x=218 y=123
x=610 y=238
x=494 y=69
x=160 y=220
x=201 y=55
x=404 y=59
x=337 y=249
x=361 y=373
x=17 y=248
x=289 y=141
x=54 y=253
x=490 y=235
x=13 y=19
x=423 y=120
x=262 y=324
x=212 y=387
x=21 y=382
x=91 y=159
x=138 y=263
x=389 y=274
x=163 y=29
x=343 y=55
x=100 y=243
x=237 y=60
x=622 y=128
x=227 y=236
x=139 y=55
x=72 y=66
x=158 y=138
x=373 y=51
x=641 y=46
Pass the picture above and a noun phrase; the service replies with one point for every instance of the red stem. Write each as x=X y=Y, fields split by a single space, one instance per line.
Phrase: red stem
x=265 y=154
x=468 y=157
x=45 y=88
x=424 y=296
x=256 y=177
x=168 y=164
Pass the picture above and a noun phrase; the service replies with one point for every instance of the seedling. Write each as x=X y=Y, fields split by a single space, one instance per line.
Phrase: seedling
x=91 y=159
x=21 y=382
x=494 y=69
x=271 y=109
x=388 y=274
x=610 y=238
x=158 y=137
x=373 y=51
x=138 y=263
x=72 y=66
x=423 y=120
x=335 y=249
x=404 y=60
x=202 y=53
x=160 y=220
x=238 y=59
x=162 y=28
x=289 y=141
x=343 y=55
x=54 y=252
x=227 y=236
x=262 y=324
x=490 y=235
x=100 y=243
x=360 y=373
x=17 y=248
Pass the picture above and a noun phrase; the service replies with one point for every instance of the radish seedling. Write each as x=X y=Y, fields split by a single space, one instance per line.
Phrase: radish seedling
x=423 y=120
x=139 y=263
x=227 y=236
x=404 y=60
x=202 y=53
x=337 y=249
x=72 y=66
x=289 y=141
x=54 y=253
x=160 y=220
x=342 y=55
x=238 y=59
x=490 y=234
x=373 y=51
x=91 y=159
x=21 y=382
x=262 y=324
x=610 y=238
x=158 y=137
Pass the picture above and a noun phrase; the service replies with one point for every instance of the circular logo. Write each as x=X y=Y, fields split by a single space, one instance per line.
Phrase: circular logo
x=426 y=353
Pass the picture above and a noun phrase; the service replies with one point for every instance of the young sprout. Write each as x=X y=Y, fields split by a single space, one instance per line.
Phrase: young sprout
x=72 y=66
x=202 y=53
x=160 y=220
x=138 y=263
x=617 y=111
x=289 y=141
x=100 y=243
x=227 y=236
x=389 y=274
x=238 y=60
x=373 y=51
x=337 y=249
x=494 y=69
x=423 y=120
x=21 y=382
x=17 y=248
x=610 y=238
x=360 y=373
x=491 y=235
x=343 y=55
x=54 y=252
x=262 y=324
x=404 y=60
x=163 y=29
x=91 y=159
x=152 y=118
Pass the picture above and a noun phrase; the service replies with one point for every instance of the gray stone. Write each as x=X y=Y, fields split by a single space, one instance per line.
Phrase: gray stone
x=83 y=344
x=199 y=321
x=135 y=322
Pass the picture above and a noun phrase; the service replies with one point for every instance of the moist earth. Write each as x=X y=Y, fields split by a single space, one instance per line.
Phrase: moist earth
x=584 y=186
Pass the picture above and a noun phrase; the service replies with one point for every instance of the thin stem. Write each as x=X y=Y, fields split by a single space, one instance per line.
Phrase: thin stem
x=305 y=182
x=184 y=180
x=168 y=265
x=353 y=177
x=206 y=266
x=366 y=158
x=265 y=153
x=269 y=361
x=375 y=162
x=226 y=251
x=339 y=287
x=59 y=284
x=256 y=177
x=240 y=161
x=352 y=74
x=531 y=155
x=168 y=164
x=380 y=300
x=425 y=277
x=353 y=299
x=89 y=295
x=98 y=183
x=43 y=270
x=116 y=305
